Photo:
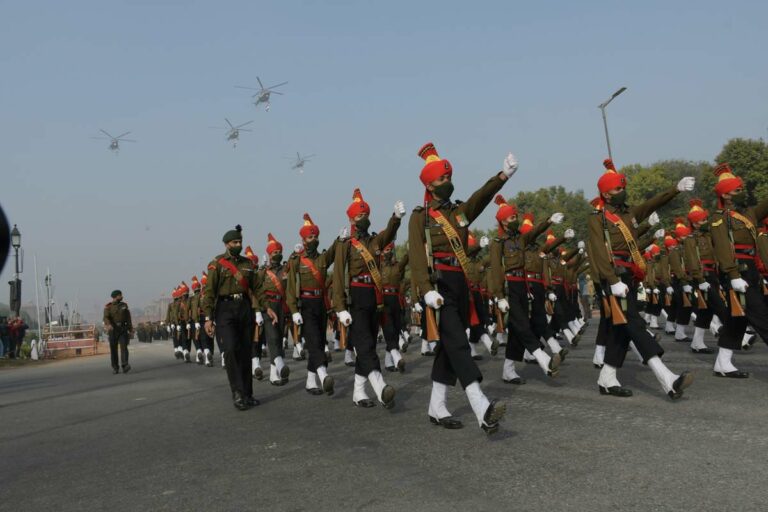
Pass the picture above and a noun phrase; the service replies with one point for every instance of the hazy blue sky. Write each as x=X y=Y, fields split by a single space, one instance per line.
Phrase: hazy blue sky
x=369 y=83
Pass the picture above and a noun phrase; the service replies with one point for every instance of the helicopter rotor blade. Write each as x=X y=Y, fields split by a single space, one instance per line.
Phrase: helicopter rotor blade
x=105 y=133
x=307 y=157
x=230 y=124
x=122 y=135
x=278 y=85
x=102 y=138
x=244 y=124
x=260 y=84
x=245 y=129
x=126 y=140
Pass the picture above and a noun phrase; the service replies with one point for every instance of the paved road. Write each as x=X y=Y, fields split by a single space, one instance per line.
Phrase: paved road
x=166 y=437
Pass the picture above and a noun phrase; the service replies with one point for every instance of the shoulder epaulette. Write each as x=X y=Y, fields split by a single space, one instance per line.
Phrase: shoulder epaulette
x=107 y=304
x=717 y=222
x=418 y=209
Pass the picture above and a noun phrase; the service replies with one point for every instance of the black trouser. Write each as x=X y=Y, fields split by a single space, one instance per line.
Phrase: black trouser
x=521 y=336
x=715 y=303
x=539 y=323
x=206 y=342
x=604 y=328
x=183 y=336
x=273 y=333
x=175 y=335
x=194 y=335
x=634 y=330
x=118 y=337
x=683 y=313
x=314 y=315
x=481 y=307
x=364 y=329
x=654 y=309
x=756 y=309
x=234 y=328
x=453 y=358
x=392 y=321
x=562 y=313
x=671 y=309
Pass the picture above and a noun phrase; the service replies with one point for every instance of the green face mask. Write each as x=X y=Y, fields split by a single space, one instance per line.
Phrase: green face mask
x=362 y=225
x=513 y=226
x=312 y=246
x=444 y=191
x=741 y=200
x=704 y=228
x=236 y=250
x=277 y=258
x=618 y=199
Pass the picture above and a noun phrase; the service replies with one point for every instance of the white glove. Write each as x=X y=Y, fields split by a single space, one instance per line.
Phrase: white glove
x=660 y=233
x=556 y=218
x=343 y=233
x=259 y=318
x=686 y=184
x=656 y=291
x=739 y=285
x=399 y=209
x=173 y=326
x=619 y=289
x=670 y=290
x=417 y=308
x=687 y=288
x=581 y=250
x=503 y=305
x=169 y=329
x=653 y=219
x=510 y=165
x=433 y=299
x=552 y=297
x=197 y=325
x=345 y=318
x=297 y=319
x=704 y=286
x=484 y=241
x=581 y=244
x=569 y=233
x=189 y=326
x=265 y=259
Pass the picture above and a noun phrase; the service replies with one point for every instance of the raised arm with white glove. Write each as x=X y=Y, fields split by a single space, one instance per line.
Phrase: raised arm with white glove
x=686 y=184
x=556 y=218
x=659 y=233
x=569 y=233
x=484 y=241
x=510 y=165
x=653 y=219
x=619 y=289
x=399 y=209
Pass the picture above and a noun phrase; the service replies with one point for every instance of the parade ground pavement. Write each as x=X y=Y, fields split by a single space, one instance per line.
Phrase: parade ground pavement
x=165 y=436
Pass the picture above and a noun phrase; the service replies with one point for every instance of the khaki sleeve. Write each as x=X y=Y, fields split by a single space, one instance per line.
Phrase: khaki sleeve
x=676 y=265
x=417 y=254
x=642 y=211
x=721 y=244
x=211 y=291
x=329 y=254
x=598 y=253
x=339 y=283
x=389 y=233
x=642 y=229
x=107 y=316
x=535 y=233
x=401 y=265
x=760 y=211
x=548 y=248
x=477 y=202
x=496 y=272
x=291 y=293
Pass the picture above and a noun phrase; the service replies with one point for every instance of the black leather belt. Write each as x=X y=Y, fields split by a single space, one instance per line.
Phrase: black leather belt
x=311 y=292
x=234 y=296
x=365 y=279
x=450 y=261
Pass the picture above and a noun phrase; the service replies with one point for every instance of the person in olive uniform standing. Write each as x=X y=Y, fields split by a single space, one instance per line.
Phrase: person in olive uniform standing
x=734 y=237
x=117 y=322
x=437 y=236
x=306 y=299
x=618 y=264
x=392 y=273
x=356 y=269
x=230 y=300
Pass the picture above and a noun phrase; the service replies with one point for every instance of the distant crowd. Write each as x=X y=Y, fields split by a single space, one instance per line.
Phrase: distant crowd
x=12 y=332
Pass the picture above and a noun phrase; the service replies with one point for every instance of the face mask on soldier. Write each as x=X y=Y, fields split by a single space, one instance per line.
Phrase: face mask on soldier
x=235 y=250
x=362 y=225
x=312 y=246
x=618 y=199
x=277 y=258
x=513 y=226
x=704 y=228
x=444 y=191
x=741 y=199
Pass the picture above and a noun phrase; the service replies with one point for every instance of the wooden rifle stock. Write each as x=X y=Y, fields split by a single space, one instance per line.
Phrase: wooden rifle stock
x=686 y=300
x=617 y=313
x=606 y=307
x=499 y=320
x=702 y=304
x=296 y=334
x=667 y=300
x=432 y=333
x=257 y=332
x=342 y=336
x=737 y=308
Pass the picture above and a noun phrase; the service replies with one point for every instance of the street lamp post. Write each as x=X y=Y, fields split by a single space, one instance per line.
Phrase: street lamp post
x=605 y=121
x=16 y=283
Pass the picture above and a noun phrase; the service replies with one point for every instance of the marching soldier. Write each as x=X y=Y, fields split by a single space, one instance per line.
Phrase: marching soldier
x=117 y=322
x=194 y=320
x=273 y=293
x=536 y=280
x=183 y=326
x=206 y=341
x=734 y=237
x=257 y=347
x=171 y=319
x=620 y=266
x=476 y=280
x=231 y=296
x=507 y=254
x=307 y=301
x=392 y=273
x=356 y=267
x=680 y=281
x=437 y=236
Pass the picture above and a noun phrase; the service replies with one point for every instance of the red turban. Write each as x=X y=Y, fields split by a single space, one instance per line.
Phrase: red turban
x=309 y=228
x=697 y=213
x=611 y=179
x=727 y=182
x=434 y=167
x=273 y=245
x=681 y=229
x=358 y=206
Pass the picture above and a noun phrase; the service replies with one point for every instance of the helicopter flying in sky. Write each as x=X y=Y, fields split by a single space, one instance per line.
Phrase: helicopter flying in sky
x=114 y=142
x=262 y=93
x=233 y=132
x=298 y=164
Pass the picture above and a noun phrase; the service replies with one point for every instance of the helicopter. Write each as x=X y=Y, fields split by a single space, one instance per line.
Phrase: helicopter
x=298 y=164
x=114 y=142
x=262 y=96
x=233 y=132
